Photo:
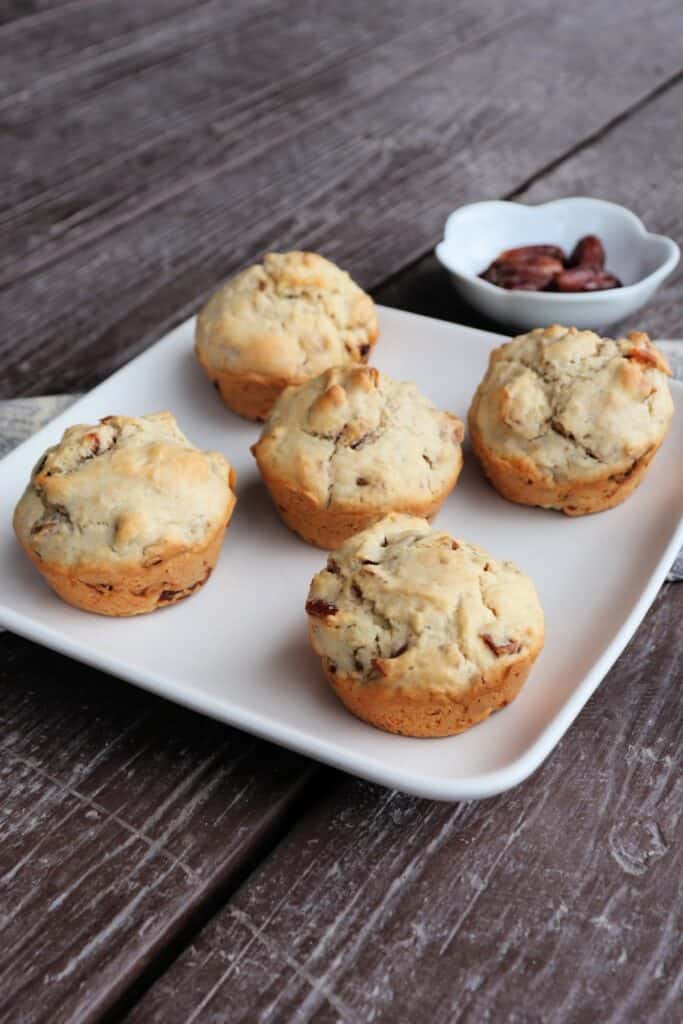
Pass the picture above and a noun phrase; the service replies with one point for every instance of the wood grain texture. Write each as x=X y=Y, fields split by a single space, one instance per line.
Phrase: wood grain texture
x=256 y=75
x=368 y=179
x=560 y=900
x=44 y=51
x=121 y=815
x=149 y=149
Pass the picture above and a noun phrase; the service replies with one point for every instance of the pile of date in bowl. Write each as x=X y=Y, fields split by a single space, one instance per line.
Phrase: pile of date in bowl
x=546 y=268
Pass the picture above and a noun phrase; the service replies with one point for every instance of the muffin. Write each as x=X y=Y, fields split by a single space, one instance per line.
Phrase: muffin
x=421 y=634
x=568 y=420
x=280 y=323
x=342 y=451
x=125 y=516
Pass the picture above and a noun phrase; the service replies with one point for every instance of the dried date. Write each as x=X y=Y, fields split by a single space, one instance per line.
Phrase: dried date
x=588 y=252
x=508 y=646
x=530 y=253
x=320 y=609
x=585 y=279
x=533 y=275
x=547 y=268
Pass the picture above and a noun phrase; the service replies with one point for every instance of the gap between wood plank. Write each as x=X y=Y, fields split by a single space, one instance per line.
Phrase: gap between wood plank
x=599 y=134
x=219 y=894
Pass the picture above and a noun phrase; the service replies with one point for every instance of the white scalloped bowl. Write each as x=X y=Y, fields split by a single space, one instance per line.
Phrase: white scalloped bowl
x=477 y=233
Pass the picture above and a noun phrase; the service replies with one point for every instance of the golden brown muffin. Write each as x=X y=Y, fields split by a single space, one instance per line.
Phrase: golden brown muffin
x=280 y=323
x=352 y=445
x=568 y=420
x=125 y=516
x=421 y=634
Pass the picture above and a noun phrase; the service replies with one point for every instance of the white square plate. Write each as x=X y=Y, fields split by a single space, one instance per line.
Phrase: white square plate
x=238 y=649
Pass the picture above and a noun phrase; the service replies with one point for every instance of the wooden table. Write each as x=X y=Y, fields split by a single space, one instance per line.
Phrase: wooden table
x=161 y=867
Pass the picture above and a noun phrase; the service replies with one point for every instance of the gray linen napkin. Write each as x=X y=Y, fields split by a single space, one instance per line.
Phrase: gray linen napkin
x=21 y=417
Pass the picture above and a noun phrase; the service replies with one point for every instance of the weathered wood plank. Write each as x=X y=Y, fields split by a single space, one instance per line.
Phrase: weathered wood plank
x=122 y=816
x=188 y=99
x=45 y=54
x=183 y=122
x=371 y=188
x=560 y=900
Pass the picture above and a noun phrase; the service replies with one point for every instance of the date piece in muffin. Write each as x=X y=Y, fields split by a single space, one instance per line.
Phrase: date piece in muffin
x=280 y=323
x=421 y=634
x=125 y=516
x=568 y=420
x=352 y=445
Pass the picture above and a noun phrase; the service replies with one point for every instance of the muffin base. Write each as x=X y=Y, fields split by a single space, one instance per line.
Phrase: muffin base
x=253 y=395
x=422 y=712
x=522 y=483
x=248 y=394
x=328 y=528
x=133 y=590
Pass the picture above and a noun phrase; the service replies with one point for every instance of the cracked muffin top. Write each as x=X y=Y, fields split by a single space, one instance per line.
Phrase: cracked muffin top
x=400 y=602
x=354 y=437
x=292 y=316
x=573 y=402
x=126 y=491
